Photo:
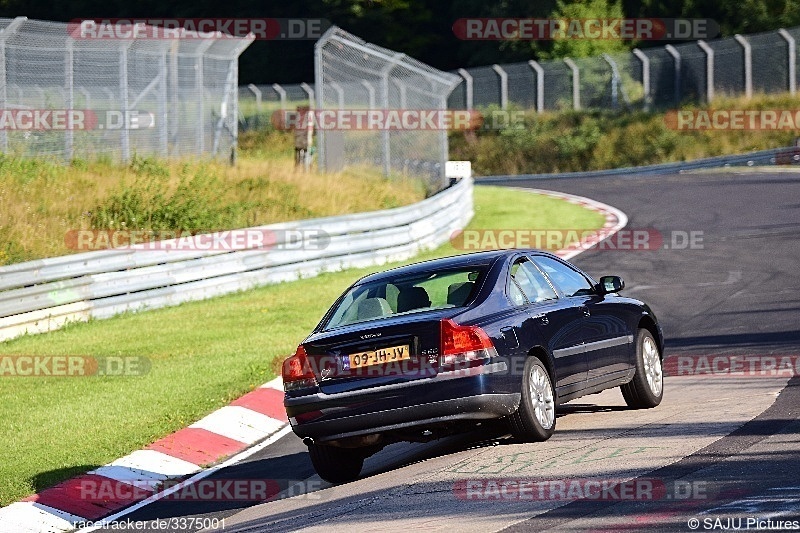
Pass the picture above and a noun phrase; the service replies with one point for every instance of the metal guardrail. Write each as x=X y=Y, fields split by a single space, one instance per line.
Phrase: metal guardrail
x=43 y=295
x=775 y=156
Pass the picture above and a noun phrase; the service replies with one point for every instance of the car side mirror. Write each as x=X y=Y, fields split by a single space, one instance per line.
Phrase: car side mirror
x=610 y=284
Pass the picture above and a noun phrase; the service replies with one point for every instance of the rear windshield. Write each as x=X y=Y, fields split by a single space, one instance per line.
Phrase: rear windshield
x=410 y=294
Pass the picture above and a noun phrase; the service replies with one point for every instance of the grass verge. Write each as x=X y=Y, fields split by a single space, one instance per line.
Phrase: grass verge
x=202 y=355
x=572 y=141
x=41 y=200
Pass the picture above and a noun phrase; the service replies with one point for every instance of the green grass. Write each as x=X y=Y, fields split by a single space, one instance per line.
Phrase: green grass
x=202 y=354
x=598 y=139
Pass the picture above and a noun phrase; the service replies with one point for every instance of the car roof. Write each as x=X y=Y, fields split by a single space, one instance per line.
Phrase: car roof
x=474 y=259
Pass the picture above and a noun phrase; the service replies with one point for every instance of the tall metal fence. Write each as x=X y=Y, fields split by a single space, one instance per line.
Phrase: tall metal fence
x=257 y=103
x=658 y=77
x=70 y=96
x=353 y=74
x=652 y=78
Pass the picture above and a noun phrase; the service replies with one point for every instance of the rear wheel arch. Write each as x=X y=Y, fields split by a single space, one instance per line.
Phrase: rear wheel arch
x=543 y=356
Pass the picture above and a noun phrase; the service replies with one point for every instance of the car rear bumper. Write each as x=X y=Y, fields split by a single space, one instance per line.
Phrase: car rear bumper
x=483 y=394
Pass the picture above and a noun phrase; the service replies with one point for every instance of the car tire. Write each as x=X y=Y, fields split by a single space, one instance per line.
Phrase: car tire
x=646 y=388
x=535 y=419
x=336 y=465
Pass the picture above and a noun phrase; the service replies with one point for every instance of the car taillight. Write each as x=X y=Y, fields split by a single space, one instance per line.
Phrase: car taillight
x=462 y=344
x=297 y=373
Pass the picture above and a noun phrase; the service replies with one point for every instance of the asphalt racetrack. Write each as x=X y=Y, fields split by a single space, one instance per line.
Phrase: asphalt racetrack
x=723 y=448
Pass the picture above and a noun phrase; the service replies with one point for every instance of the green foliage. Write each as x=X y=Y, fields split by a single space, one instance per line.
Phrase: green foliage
x=594 y=140
x=148 y=205
x=593 y=9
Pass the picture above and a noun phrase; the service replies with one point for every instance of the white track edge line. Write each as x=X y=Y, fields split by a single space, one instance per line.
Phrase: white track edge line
x=197 y=477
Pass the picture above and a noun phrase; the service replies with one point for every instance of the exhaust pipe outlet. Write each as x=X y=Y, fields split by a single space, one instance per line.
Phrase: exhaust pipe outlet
x=308 y=441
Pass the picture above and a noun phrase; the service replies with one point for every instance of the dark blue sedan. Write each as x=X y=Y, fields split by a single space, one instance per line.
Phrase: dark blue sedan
x=433 y=348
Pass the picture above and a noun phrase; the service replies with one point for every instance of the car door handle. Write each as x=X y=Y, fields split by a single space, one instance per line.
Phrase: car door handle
x=543 y=319
x=510 y=336
x=586 y=312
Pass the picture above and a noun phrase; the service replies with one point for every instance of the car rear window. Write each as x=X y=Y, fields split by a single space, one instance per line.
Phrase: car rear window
x=438 y=289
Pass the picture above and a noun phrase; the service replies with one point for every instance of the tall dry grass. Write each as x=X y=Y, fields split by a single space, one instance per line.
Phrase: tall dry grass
x=41 y=200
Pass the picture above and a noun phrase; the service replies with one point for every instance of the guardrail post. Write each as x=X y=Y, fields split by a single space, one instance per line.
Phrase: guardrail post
x=576 y=83
x=503 y=85
x=748 y=65
x=469 y=96
x=709 y=69
x=645 y=76
x=537 y=68
x=792 y=59
x=281 y=95
x=676 y=58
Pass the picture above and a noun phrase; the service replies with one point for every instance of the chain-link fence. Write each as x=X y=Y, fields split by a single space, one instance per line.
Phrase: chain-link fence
x=351 y=74
x=658 y=77
x=67 y=95
x=257 y=103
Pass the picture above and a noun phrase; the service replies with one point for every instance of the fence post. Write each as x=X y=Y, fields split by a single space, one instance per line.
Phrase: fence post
x=309 y=92
x=257 y=92
x=676 y=58
x=748 y=65
x=503 y=85
x=69 y=83
x=5 y=33
x=123 y=94
x=614 y=81
x=537 y=68
x=339 y=94
x=403 y=93
x=370 y=92
x=386 y=149
x=645 y=76
x=468 y=88
x=792 y=59
x=163 y=107
x=576 y=83
x=174 y=101
x=318 y=84
x=200 y=87
x=281 y=94
x=709 y=69
x=443 y=146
